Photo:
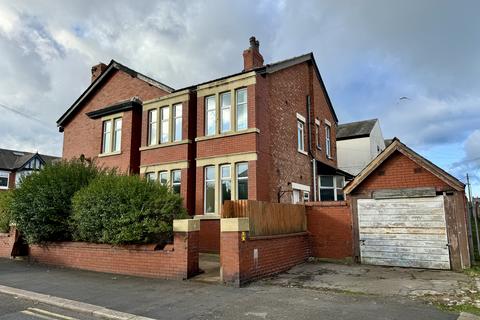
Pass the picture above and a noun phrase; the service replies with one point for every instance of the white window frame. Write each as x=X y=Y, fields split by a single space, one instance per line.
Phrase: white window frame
x=177 y=116
x=214 y=180
x=214 y=111
x=335 y=187
x=167 y=121
x=328 y=140
x=306 y=196
x=5 y=174
x=152 y=126
x=318 y=140
x=151 y=176
x=173 y=183
x=237 y=104
x=222 y=179
x=237 y=178
x=117 y=131
x=300 y=136
x=107 y=136
x=163 y=172
x=110 y=149
x=227 y=107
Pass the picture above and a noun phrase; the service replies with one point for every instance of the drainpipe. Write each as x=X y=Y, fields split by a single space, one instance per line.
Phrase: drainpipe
x=314 y=161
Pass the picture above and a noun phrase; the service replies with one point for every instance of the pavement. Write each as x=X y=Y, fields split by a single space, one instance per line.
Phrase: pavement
x=163 y=299
x=445 y=287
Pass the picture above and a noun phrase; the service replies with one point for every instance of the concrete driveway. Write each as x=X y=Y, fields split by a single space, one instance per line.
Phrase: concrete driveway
x=446 y=287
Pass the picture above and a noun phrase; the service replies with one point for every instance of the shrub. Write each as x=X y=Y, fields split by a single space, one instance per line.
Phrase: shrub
x=41 y=206
x=117 y=209
x=5 y=211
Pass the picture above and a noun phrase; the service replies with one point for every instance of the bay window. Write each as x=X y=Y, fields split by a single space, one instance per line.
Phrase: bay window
x=242 y=109
x=152 y=127
x=112 y=135
x=177 y=122
x=225 y=112
x=176 y=180
x=117 y=134
x=107 y=136
x=211 y=115
x=150 y=176
x=242 y=180
x=163 y=177
x=226 y=182
x=210 y=189
x=164 y=126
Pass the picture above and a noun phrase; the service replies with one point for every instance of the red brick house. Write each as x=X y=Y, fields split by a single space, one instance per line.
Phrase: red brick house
x=265 y=133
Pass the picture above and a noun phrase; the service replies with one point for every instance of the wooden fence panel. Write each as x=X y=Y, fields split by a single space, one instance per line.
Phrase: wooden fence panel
x=266 y=218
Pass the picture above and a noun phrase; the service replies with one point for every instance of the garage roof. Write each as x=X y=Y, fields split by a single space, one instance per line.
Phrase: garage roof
x=397 y=145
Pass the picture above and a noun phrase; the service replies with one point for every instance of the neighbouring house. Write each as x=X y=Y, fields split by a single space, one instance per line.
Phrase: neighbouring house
x=358 y=143
x=265 y=133
x=408 y=212
x=17 y=164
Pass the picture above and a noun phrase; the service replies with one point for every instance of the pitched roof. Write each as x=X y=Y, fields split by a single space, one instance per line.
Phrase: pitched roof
x=113 y=65
x=358 y=129
x=14 y=160
x=396 y=145
x=388 y=142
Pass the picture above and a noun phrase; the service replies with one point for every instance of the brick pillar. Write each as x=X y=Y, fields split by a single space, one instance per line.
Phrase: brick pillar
x=233 y=238
x=186 y=245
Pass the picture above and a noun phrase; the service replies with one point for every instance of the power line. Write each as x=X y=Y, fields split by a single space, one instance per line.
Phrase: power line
x=25 y=115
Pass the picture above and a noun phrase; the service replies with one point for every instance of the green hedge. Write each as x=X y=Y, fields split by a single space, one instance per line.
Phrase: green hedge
x=118 y=209
x=41 y=206
x=5 y=212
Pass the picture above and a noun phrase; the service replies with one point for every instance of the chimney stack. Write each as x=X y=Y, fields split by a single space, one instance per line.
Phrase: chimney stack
x=97 y=70
x=251 y=57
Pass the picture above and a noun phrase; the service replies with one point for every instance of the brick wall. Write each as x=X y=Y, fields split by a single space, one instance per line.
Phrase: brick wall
x=83 y=135
x=399 y=172
x=7 y=241
x=210 y=235
x=275 y=254
x=331 y=230
x=177 y=261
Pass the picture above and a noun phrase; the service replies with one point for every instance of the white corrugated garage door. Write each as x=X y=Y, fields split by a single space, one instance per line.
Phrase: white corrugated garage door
x=409 y=232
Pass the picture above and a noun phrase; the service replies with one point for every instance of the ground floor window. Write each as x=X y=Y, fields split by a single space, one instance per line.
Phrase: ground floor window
x=210 y=189
x=226 y=182
x=242 y=181
x=176 y=180
x=172 y=178
x=331 y=188
x=20 y=175
x=4 y=179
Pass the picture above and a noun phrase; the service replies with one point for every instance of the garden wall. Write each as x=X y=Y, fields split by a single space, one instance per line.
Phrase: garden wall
x=244 y=259
x=7 y=242
x=331 y=230
x=176 y=261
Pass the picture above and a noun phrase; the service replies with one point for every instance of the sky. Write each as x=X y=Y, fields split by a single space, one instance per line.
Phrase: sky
x=412 y=64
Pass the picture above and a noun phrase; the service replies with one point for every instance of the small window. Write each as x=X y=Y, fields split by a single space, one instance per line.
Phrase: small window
x=242 y=109
x=176 y=180
x=306 y=196
x=226 y=182
x=152 y=127
x=150 y=176
x=242 y=180
x=4 y=175
x=210 y=189
x=300 y=136
x=164 y=128
x=225 y=112
x=163 y=177
x=177 y=122
x=331 y=188
x=328 y=147
x=317 y=136
x=210 y=116
x=117 y=134
x=107 y=136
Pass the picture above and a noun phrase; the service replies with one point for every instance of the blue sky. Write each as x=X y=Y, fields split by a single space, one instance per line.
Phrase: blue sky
x=370 y=53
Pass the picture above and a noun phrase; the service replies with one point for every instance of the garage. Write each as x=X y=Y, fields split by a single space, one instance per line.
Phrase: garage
x=408 y=212
x=409 y=232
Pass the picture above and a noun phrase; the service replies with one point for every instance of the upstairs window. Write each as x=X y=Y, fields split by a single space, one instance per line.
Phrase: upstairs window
x=331 y=188
x=164 y=127
x=242 y=109
x=177 y=122
x=152 y=127
x=112 y=135
x=225 y=112
x=300 y=136
x=328 y=146
x=210 y=116
x=176 y=180
x=318 y=141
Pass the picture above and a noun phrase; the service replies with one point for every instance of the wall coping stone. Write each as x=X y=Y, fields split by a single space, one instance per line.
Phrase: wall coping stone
x=234 y=224
x=186 y=225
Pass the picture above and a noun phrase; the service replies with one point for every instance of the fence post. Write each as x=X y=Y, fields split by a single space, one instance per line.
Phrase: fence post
x=234 y=233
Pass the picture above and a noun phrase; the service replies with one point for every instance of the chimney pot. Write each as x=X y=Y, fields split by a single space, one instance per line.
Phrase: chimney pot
x=252 y=58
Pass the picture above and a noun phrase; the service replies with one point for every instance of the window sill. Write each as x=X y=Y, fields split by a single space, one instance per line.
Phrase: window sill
x=207 y=216
x=103 y=155
x=164 y=145
x=302 y=152
x=228 y=134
